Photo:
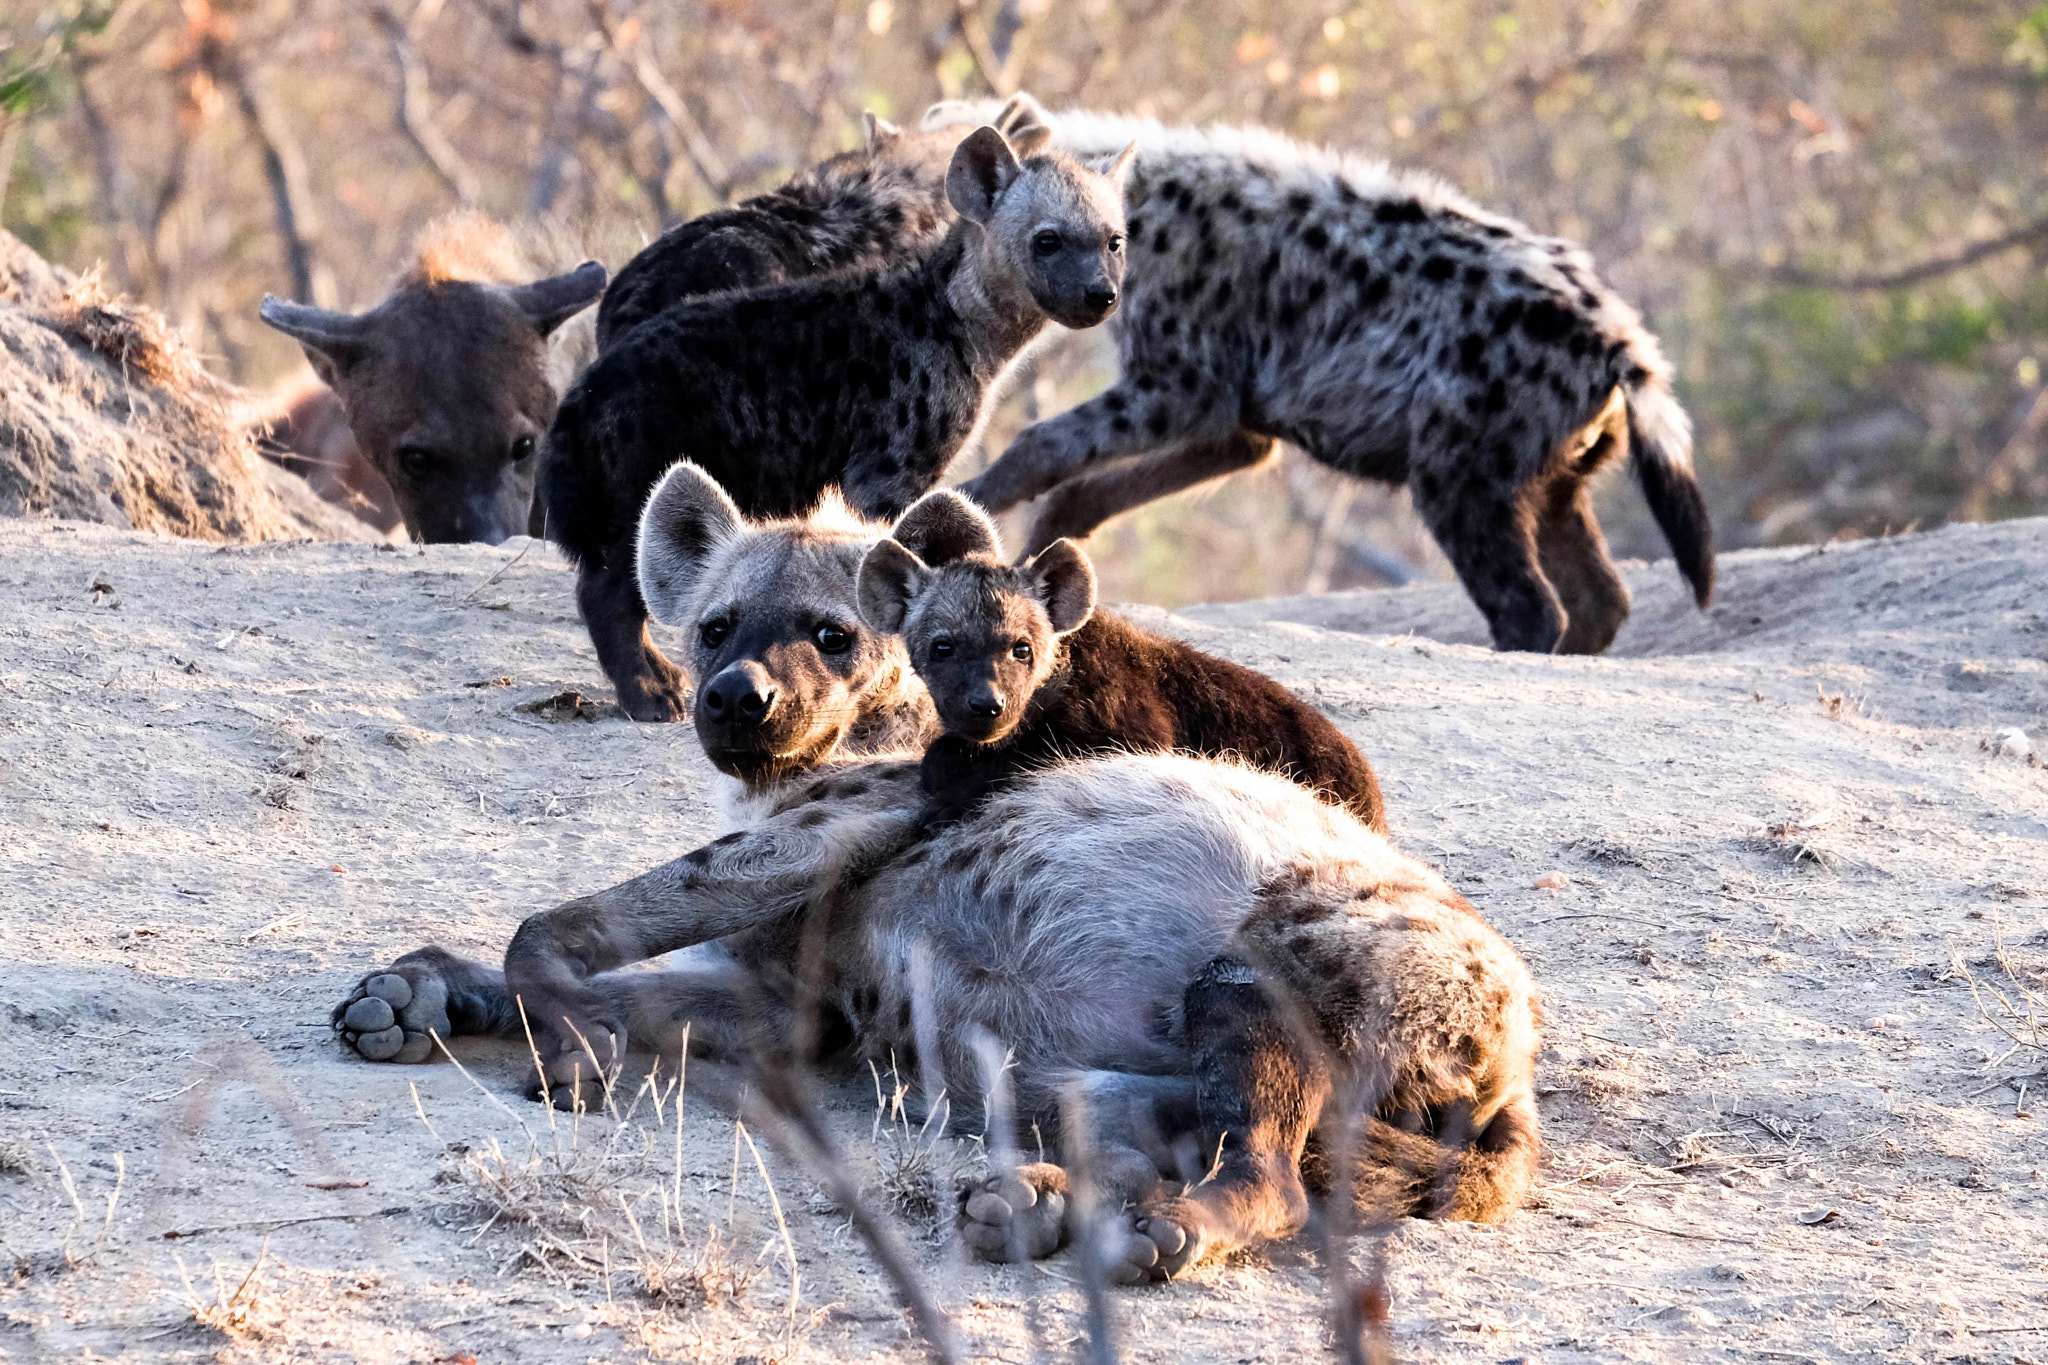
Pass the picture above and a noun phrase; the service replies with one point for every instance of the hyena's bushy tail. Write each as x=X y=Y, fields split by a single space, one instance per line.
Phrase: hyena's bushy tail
x=1482 y=1179
x=1660 y=445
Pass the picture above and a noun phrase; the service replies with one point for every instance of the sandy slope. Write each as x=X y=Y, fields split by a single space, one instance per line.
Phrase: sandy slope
x=245 y=775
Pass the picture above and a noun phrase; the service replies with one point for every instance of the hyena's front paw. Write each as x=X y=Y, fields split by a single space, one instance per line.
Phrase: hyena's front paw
x=391 y=1015
x=1005 y=1218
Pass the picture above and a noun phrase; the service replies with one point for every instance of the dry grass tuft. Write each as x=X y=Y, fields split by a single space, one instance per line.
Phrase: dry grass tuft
x=17 y=1158
x=918 y=1163
x=2008 y=1001
x=137 y=339
x=232 y=1312
x=1789 y=840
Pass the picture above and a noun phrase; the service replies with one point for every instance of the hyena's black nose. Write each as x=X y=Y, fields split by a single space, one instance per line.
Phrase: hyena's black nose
x=738 y=695
x=987 y=705
x=1102 y=296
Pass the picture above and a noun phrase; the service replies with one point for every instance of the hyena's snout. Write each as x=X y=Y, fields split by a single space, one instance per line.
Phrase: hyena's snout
x=741 y=697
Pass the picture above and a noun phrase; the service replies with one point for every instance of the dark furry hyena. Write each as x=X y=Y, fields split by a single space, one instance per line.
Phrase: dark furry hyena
x=1390 y=329
x=450 y=383
x=869 y=382
x=1219 y=963
x=868 y=209
x=1026 y=670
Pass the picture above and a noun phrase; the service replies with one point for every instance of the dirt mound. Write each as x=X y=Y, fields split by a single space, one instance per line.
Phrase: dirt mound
x=106 y=415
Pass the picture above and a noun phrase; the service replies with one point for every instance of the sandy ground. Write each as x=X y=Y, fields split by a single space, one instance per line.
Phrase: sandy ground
x=1781 y=1125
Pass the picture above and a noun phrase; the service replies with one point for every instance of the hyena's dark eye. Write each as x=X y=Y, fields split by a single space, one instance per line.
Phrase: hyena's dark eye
x=1046 y=243
x=522 y=449
x=713 y=633
x=942 y=649
x=1116 y=242
x=416 y=461
x=1021 y=651
x=832 y=640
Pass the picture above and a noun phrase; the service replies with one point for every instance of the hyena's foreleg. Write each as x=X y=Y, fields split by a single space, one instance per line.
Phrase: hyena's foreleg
x=1134 y=416
x=1075 y=508
x=393 y=1014
x=648 y=686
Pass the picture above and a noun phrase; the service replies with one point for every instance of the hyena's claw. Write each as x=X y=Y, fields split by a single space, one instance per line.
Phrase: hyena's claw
x=1021 y=1217
x=1158 y=1243
x=391 y=1016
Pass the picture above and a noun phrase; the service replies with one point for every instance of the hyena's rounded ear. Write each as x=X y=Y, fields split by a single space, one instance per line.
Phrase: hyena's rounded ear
x=890 y=578
x=1066 y=584
x=943 y=526
x=1023 y=121
x=333 y=341
x=983 y=167
x=877 y=132
x=948 y=114
x=1118 y=167
x=549 y=303
x=687 y=517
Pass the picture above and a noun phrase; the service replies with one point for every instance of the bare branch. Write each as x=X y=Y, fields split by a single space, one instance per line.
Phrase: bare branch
x=283 y=168
x=1932 y=268
x=693 y=141
x=1000 y=76
x=415 y=117
x=1972 y=504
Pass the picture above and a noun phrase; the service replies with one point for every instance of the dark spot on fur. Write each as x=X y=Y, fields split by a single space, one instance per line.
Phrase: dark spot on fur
x=1316 y=239
x=1375 y=293
x=1158 y=421
x=1400 y=211
x=697 y=857
x=811 y=819
x=1439 y=268
x=1114 y=401
x=1470 y=352
x=1161 y=242
x=1546 y=323
x=725 y=839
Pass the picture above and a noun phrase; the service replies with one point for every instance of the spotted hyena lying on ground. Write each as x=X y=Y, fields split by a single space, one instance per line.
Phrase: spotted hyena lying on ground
x=872 y=382
x=1390 y=329
x=1197 y=949
x=1024 y=670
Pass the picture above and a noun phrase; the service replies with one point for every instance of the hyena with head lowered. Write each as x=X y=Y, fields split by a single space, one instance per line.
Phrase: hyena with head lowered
x=869 y=382
x=1390 y=329
x=1217 y=963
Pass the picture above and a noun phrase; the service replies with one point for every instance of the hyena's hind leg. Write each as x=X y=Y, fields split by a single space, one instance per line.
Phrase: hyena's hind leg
x=1569 y=544
x=1074 y=509
x=1135 y=1127
x=392 y=1014
x=1487 y=528
x=1259 y=1087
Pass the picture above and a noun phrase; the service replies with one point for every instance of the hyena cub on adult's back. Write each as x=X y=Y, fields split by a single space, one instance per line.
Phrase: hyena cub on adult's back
x=870 y=382
x=1025 y=671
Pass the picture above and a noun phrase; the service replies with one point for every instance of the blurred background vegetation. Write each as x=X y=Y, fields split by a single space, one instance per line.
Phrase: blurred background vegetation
x=1835 y=215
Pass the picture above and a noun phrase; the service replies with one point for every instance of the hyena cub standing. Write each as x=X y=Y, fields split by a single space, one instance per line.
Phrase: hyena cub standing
x=1391 y=330
x=870 y=382
x=1025 y=671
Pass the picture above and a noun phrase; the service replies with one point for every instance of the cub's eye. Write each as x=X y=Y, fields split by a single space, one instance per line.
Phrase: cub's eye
x=416 y=461
x=942 y=649
x=1021 y=651
x=1046 y=243
x=832 y=640
x=712 y=633
x=1116 y=242
x=522 y=450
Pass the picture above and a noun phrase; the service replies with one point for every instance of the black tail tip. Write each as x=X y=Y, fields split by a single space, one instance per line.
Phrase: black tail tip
x=1681 y=512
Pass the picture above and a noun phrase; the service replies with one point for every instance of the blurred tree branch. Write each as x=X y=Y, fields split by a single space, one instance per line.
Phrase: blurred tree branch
x=1946 y=263
x=694 y=143
x=415 y=107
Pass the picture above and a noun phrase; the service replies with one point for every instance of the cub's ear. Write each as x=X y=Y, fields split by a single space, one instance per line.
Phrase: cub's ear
x=877 y=132
x=943 y=526
x=687 y=517
x=1118 y=167
x=549 y=303
x=890 y=579
x=1066 y=584
x=333 y=341
x=983 y=167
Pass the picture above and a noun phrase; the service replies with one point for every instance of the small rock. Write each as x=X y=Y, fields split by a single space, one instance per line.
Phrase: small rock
x=1553 y=881
x=2013 y=742
x=1813 y=1218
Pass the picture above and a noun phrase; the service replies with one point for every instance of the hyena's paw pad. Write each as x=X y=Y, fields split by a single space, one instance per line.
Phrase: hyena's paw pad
x=1009 y=1218
x=1157 y=1243
x=391 y=1017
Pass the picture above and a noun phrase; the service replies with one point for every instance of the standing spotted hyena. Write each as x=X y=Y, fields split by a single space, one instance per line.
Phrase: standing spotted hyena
x=1390 y=329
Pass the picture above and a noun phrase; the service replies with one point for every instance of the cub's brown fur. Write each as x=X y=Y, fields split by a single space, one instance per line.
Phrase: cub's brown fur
x=1025 y=671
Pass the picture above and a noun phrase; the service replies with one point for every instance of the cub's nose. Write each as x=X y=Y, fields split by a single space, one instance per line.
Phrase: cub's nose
x=1101 y=296
x=739 y=695
x=987 y=705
